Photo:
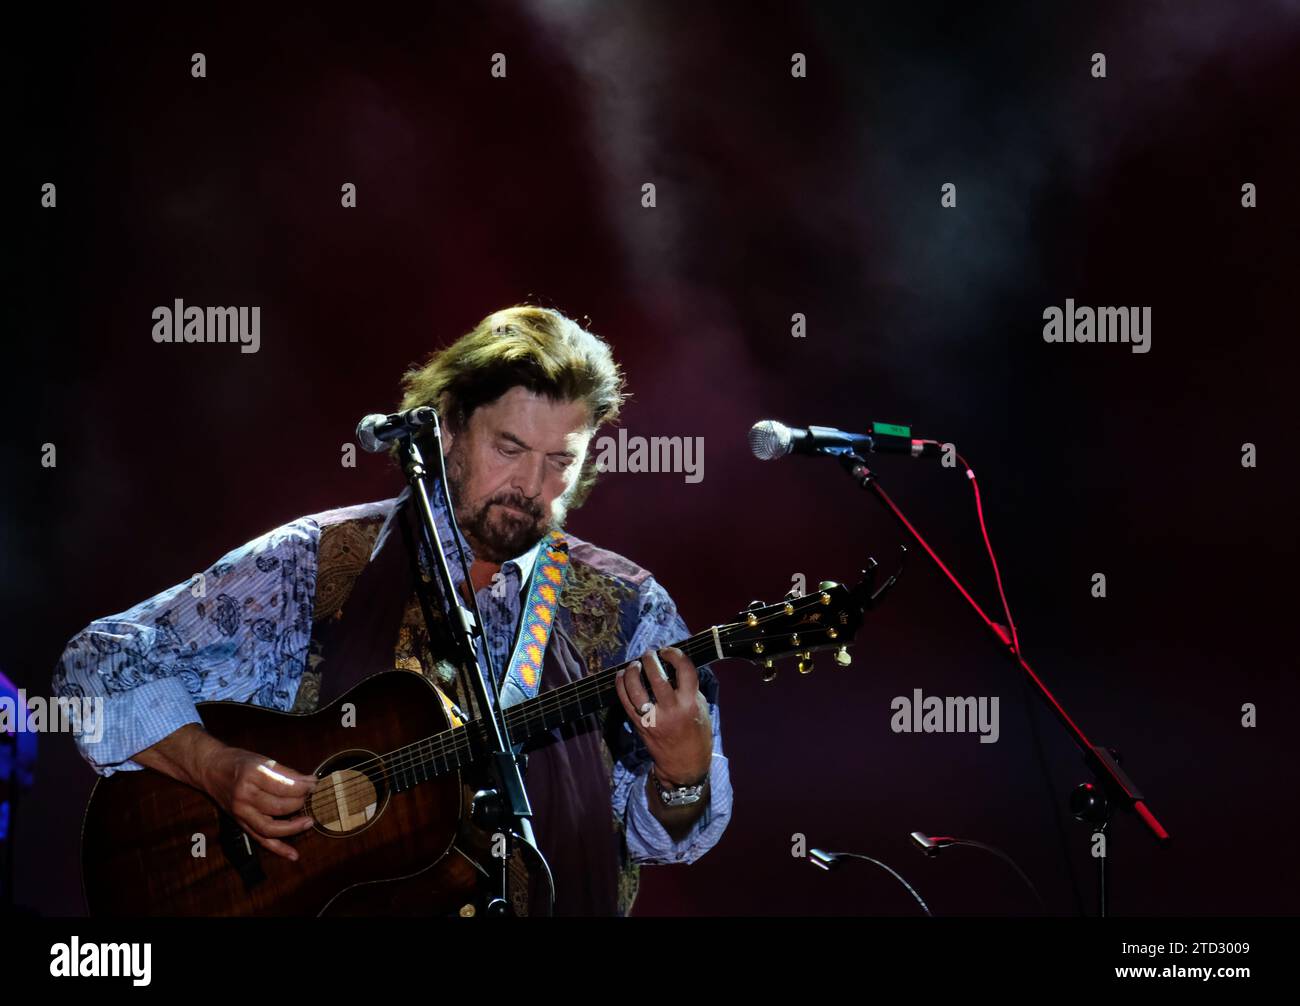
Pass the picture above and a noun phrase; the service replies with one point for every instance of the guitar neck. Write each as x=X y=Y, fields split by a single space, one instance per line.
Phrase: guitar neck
x=591 y=694
x=826 y=619
x=458 y=747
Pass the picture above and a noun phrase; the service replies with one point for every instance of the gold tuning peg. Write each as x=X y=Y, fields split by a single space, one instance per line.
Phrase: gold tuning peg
x=769 y=670
x=842 y=657
x=805 y=662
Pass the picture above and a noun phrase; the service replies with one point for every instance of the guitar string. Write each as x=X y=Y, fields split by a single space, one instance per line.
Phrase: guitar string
x=414 y=759
x=456 y=739
x=702 y=642
x=453 y=743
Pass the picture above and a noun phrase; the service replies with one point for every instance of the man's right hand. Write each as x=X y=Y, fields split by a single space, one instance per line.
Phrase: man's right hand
x=255 y=791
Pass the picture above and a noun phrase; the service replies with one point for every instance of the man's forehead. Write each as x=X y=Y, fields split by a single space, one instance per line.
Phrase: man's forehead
x=536 y=420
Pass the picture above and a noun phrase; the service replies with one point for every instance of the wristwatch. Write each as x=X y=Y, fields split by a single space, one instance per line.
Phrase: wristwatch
x=678 y=796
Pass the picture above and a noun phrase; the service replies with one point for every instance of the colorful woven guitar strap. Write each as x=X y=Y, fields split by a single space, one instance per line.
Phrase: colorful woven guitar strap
x=550 y=568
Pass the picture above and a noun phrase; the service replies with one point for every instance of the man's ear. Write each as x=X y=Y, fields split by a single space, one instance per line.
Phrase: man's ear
x=450 y=429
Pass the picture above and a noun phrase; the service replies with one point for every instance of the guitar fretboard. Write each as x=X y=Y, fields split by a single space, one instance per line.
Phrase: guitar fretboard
x=461 y=746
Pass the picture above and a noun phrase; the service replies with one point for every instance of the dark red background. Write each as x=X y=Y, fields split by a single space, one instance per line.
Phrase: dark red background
x=775 y=196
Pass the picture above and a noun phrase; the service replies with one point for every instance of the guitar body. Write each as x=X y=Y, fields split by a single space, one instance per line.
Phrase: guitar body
x=155 y=846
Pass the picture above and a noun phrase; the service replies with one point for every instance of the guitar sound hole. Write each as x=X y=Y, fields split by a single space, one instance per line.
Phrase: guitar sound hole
x=349 y=795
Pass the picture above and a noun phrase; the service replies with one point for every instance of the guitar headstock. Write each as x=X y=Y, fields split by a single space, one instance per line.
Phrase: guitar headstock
x=823 y=619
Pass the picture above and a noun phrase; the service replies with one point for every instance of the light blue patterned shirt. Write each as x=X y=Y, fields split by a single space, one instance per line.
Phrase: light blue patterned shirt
x=240 y=630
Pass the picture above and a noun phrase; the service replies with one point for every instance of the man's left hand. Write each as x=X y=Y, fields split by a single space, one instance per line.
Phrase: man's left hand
x=675 y=724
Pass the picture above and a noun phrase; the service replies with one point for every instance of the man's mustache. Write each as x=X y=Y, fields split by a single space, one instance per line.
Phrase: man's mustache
x=519 y=503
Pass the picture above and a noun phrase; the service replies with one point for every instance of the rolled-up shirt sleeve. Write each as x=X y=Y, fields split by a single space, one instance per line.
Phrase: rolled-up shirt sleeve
x=648 y=842
x=237 y=631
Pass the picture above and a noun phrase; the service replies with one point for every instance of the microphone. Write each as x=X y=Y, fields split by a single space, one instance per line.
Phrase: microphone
x=931 y=846
x=769 y=439
x=376 y=430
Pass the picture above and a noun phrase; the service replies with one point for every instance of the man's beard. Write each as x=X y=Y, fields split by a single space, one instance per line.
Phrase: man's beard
x=495 y=533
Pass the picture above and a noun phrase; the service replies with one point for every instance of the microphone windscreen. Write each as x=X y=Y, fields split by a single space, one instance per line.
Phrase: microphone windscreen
x=769 y=440
x=366 y=433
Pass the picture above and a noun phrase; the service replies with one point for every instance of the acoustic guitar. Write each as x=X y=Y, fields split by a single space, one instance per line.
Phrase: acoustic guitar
x=393 y=792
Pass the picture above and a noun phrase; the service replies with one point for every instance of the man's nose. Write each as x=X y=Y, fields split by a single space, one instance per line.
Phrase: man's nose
x=530 y=474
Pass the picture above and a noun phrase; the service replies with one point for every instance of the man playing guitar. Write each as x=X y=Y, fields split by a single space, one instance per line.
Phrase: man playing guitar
x=292 y=619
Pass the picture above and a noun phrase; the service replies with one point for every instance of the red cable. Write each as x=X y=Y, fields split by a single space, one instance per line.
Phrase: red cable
x=939 y=562
x=997 y=575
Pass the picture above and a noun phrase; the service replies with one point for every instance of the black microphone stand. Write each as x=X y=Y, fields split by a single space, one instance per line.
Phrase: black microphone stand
x=507 y=809
x=1091 y=804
